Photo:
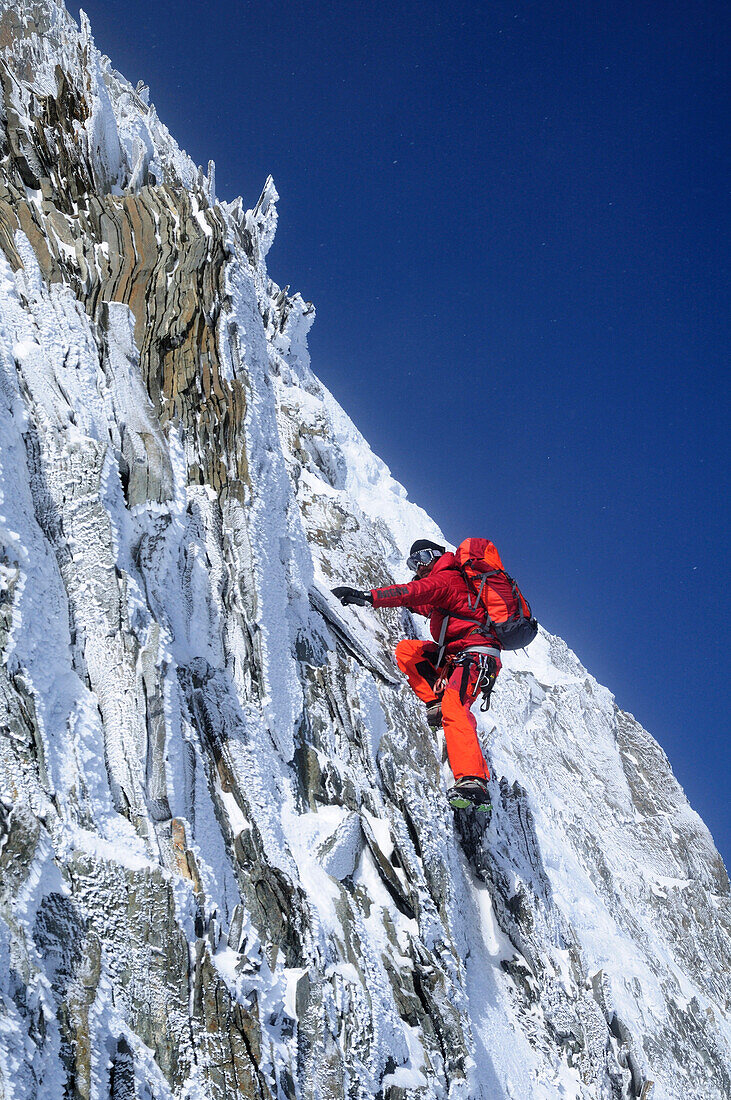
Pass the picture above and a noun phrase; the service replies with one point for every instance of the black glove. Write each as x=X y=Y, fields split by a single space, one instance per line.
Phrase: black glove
x=352 y=595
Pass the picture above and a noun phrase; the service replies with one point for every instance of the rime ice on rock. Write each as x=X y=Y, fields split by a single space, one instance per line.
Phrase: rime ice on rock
x=226 y=864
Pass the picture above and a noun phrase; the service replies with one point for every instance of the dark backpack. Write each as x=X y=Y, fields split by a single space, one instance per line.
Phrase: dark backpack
x=508 y=611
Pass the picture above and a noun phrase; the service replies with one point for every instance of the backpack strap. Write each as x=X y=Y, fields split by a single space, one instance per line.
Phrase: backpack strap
x=442 y=635
x=470 y=586
x=463 y=618
x=484 y=623
x=517 y=595
x=477 y=597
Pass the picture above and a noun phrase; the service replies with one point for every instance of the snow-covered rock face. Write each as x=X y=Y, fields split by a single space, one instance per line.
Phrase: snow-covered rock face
x=226 y=864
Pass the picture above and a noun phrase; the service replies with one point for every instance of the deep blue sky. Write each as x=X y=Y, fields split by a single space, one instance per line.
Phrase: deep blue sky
x=512 y=220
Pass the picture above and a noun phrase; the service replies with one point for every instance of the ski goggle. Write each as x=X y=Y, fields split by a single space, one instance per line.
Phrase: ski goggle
x=422 y=557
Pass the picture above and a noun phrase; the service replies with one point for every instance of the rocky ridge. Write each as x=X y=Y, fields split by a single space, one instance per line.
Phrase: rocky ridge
x=226 y=867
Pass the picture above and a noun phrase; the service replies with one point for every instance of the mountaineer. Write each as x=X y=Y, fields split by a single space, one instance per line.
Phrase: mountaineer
x=475 y=610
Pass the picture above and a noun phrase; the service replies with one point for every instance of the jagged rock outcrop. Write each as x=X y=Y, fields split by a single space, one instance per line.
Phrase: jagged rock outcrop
x=226 y=865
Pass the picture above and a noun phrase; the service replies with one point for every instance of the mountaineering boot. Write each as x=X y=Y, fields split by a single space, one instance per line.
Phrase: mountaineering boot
x=434 y=714
x=470 y=791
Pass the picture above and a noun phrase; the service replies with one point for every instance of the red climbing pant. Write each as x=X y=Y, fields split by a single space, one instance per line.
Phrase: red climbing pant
x=417 y=660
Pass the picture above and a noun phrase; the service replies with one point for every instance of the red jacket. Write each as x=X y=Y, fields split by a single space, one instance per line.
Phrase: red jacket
x=443 y=591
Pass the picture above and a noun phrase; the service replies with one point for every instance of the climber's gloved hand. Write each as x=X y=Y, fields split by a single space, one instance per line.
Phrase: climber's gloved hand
x=352 y=595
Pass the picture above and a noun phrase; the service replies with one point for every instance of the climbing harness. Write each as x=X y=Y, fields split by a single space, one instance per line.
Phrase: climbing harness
x=485 y=658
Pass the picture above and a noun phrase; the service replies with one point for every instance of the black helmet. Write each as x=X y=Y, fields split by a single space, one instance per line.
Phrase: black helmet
x=422 y=552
